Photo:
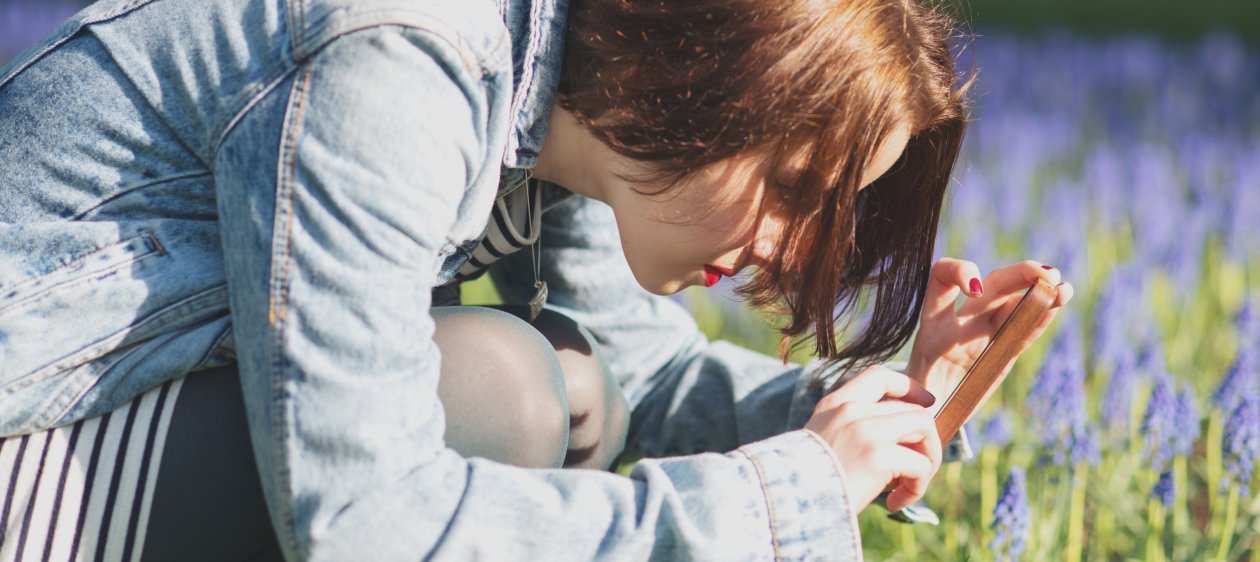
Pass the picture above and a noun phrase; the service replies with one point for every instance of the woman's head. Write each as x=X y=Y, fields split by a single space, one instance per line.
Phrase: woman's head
x=769 y=118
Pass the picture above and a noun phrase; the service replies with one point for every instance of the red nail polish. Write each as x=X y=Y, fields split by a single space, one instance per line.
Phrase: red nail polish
x=1046 y=267
x=976 y=287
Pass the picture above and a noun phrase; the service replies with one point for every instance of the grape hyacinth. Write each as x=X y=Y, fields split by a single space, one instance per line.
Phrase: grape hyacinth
x=996 y=431
x=1011 y=518
x=1117 y=399
x=1057 y=400
x=1248 y=323
x=1240 y=377
x=1242 y=440
x=1164 y=488
x=1082 y=444
x=1188 y=426
x=1159 y=423
x=1121 y=294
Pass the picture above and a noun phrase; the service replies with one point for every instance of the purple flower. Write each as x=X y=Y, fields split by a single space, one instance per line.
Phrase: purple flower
x=1248 y=323
x=1238 y=380
x=1057 y=399
x=1151 y=359
x=1159 y=423
x=1117 y=399
x=1081 y=445
x=996 y=431
x=1241 y=441
x=1164 y=488
x=1011 y=518
x=1188 y=426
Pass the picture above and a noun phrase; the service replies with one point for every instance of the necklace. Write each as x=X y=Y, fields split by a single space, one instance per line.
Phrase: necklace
x=533 y=214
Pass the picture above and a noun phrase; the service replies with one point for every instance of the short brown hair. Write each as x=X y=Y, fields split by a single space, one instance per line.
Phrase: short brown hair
x=687 y=83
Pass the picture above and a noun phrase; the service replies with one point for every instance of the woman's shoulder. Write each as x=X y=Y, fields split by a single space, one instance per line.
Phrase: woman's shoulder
x=475 y=27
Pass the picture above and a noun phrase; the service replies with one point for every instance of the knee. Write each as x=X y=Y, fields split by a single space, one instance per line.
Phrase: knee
x=502 y=387
x=598 y=411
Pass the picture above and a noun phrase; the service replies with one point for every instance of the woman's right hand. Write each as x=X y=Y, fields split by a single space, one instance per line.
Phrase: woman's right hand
x=880 y=428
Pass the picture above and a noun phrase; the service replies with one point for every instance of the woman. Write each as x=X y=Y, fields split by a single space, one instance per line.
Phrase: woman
x=290 y=190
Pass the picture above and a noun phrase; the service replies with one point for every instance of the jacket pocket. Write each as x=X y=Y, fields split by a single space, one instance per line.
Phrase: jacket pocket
x=97 y=264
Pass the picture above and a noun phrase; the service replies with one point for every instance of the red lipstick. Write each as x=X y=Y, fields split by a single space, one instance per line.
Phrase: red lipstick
x=713 y=274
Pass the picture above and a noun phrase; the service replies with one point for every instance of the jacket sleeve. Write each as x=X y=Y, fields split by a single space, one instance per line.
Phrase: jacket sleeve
x=337 y=192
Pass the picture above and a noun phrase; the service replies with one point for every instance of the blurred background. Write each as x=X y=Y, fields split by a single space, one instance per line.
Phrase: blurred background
x=1119 y=141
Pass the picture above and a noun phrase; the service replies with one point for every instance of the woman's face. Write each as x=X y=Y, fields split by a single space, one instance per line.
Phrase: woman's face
x=708 y=226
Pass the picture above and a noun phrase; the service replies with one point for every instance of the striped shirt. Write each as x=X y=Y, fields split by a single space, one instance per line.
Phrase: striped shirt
x=83 y=492
x=515 y=222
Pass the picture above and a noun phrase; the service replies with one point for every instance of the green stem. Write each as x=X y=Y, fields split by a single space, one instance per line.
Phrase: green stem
x=1213 y=468
x=988 y=497
x=1076 y=515
x=1181 y=509
x=1231 y=518
x=1155 y=531
x=909 y=549
x=953 y=477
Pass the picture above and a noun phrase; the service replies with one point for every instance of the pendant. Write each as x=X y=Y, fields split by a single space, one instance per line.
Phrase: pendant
x=539 y=299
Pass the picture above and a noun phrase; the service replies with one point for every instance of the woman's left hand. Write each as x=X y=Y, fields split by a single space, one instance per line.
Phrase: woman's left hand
x=950 y=338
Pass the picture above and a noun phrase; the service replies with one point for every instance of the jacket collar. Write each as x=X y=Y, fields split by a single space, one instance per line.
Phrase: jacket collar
x=537 y=30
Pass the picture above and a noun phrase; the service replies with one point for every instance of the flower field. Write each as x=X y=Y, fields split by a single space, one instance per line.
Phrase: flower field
x=1130 y=431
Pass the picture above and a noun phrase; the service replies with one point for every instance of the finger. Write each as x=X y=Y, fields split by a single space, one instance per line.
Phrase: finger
x=876 y=383
x=913 y=472
x=949 y=277
x=1008 y=305
x=1066 y=290
x=904 y=428
x=930 y=446
x=838 y=413
x=1005 y=282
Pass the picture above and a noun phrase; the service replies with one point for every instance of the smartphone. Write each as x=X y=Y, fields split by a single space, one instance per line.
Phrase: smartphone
x=986 y=372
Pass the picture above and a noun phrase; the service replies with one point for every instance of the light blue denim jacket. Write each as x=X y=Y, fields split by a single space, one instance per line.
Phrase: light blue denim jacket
x=185 y=183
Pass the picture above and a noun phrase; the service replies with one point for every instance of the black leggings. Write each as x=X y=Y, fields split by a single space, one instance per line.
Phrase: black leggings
x=532 y=395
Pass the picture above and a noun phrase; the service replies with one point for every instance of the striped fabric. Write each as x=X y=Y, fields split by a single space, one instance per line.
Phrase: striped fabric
x=83 y=492
x=514 y=224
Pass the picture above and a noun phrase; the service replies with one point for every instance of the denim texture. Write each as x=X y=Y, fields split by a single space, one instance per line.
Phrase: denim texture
x=281 y=183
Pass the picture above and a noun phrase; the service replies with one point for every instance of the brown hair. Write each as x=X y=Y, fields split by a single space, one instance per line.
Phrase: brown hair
x=687 y=83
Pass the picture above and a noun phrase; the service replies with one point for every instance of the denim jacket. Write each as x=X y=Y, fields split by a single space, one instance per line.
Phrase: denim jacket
x=279 y=183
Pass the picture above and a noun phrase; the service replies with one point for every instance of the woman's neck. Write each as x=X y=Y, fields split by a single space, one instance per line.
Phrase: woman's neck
x=572 y=157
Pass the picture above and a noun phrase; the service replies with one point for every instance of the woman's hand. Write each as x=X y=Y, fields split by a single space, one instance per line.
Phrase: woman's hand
x=880 y=428
x=949 y=340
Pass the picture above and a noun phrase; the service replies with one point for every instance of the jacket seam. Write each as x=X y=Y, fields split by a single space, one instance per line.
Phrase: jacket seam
x=765 y=494
x=251 y=98
x=80 y=214
x=844 y=482
x=278 y=292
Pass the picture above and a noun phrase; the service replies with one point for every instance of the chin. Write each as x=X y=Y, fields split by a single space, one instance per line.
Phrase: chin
x=664 y=289
x=661 y=287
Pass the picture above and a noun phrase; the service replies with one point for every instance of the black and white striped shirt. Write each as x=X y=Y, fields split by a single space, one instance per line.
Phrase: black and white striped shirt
x=83 y=491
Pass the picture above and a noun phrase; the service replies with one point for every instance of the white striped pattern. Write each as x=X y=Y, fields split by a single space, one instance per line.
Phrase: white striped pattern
x=514 y=223
x=83 y=492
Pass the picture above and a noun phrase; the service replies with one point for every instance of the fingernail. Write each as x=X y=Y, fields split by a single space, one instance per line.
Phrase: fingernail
x=976 y=287
x=1046 y=267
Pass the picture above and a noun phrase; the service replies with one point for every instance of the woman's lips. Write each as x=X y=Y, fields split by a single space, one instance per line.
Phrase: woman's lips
x=713 y=274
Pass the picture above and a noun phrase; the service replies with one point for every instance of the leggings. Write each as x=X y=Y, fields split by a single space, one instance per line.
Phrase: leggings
x=171 y=476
